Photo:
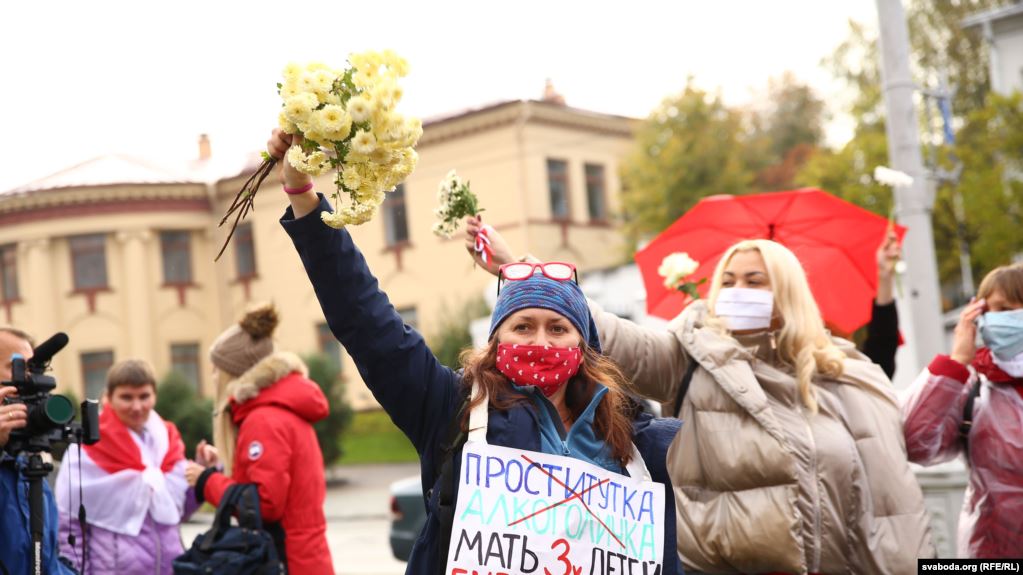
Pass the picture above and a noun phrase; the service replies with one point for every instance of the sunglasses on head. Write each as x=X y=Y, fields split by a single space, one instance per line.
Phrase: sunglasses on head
x=519 y=271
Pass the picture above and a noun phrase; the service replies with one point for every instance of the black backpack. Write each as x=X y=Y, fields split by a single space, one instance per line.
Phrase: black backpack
x=245 y=549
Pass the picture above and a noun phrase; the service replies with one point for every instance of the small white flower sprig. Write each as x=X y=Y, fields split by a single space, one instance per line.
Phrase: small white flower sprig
x=892 y=178
x=455 y=201
x=348 y=123
x=675 y=268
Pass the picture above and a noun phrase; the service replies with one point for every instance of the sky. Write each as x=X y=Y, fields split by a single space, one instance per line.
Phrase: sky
x=83 y=79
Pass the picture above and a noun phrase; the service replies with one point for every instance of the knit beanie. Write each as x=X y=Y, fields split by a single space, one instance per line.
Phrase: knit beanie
x=538 y=290
x=244 y=344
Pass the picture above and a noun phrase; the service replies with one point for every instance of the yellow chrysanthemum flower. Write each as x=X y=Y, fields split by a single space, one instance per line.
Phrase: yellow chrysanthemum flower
x=296 y=157
x=286 y=125
x=333 y=219
x=351 y=178
x=333 y=122
x=397 y=64
x=363 y=143
x=360 y=108
x=292 y=72
x=299 y=106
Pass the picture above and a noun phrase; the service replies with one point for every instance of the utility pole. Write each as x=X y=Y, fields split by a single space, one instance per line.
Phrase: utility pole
x=921 y=306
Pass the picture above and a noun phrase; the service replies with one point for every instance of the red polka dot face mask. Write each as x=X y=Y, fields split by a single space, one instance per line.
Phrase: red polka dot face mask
x=544 y=366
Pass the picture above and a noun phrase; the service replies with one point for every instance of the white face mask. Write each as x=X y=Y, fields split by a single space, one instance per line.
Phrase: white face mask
x=745 y=308
x=1013 y=367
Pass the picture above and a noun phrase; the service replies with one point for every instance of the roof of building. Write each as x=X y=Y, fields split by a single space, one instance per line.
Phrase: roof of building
x=508 y=112
x=1012 y=10
x=103 y=171
x=121 y=169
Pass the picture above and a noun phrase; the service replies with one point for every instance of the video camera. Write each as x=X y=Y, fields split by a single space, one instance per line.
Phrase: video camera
x=49 y=416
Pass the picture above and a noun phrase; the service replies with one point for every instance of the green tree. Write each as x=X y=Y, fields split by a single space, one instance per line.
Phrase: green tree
x=989 y=145
x=690 y=147
x=784 y=135
x=177 y=401
x=329 y=430
x=986 y=127
x=452 y=335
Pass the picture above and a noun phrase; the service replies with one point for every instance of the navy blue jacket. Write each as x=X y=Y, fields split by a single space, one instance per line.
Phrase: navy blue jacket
x=15 y=536
x=420 y=394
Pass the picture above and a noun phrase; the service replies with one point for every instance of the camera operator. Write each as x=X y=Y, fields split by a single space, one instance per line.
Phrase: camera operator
x=15 y=535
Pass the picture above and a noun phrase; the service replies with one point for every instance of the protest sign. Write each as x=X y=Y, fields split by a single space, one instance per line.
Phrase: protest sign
x=520 y=513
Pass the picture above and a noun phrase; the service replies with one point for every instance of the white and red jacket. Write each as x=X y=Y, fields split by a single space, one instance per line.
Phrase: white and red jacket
x=991 y=523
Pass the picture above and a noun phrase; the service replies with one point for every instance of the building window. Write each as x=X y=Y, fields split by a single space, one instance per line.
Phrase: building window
x=329 y=345
x=244 y=251
x=89 y=261
x=9 y=272
x=557 y=183
x=409 y=316
x=95 y=365
x=176 y=249
x=395 y=218
x=185 y=360
x=596 y=193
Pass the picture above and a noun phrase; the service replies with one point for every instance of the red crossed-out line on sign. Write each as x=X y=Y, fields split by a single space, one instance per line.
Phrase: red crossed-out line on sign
x=574 y=495
x=549 y=507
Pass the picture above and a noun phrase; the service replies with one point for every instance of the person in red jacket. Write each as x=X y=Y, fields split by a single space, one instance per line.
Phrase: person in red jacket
x=941 y=423
x=263 y=429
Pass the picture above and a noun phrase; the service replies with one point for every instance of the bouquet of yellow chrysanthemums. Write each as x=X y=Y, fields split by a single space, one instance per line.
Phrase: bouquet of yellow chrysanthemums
x=348 y=123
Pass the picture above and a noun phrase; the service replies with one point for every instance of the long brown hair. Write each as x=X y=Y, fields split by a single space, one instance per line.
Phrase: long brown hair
x=612 y=420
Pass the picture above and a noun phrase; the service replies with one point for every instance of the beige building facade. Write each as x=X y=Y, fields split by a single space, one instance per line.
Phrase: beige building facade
x=118 y=253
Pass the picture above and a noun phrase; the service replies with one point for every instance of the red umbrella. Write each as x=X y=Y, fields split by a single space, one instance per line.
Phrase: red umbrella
x=835 y=240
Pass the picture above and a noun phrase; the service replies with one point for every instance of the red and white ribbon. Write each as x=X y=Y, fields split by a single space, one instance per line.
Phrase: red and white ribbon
x=483 y=244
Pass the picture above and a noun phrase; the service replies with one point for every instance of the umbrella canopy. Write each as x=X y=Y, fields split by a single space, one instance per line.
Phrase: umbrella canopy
x=835 y=241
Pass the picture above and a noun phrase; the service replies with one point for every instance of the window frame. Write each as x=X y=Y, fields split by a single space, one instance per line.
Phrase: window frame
x=98 y=371
x=329 y=346
x=245 y=235
x=602 y=217
x=563 y=179
x=395 y=203
x=175 y=349
x=182 y=244
x=9 y=273
x=78 y=249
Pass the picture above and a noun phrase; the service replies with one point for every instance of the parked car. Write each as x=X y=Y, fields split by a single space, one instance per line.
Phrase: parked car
x=408 y=515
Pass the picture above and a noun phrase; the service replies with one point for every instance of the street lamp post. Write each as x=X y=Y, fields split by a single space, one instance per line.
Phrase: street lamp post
x=921 y=306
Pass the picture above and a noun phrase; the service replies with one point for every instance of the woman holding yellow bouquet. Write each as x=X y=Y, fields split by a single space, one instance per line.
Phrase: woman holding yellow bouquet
x=574 y=407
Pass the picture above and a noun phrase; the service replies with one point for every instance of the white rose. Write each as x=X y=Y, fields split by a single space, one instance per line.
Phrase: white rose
x=674 y=267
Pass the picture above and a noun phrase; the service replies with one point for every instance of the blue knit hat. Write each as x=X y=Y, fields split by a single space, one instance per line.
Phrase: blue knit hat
x=563 y=297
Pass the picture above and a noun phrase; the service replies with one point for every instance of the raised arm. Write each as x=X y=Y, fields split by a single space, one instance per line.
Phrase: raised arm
x=932 y=408
x=415 y=389
x=883 y=331
x=652 y=359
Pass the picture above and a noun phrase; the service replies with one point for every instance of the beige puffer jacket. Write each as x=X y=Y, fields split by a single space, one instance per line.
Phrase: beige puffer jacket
x=761 y=484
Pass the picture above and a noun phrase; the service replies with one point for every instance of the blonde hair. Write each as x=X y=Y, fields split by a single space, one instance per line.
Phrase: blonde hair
x=225 y=432
x=803 y=341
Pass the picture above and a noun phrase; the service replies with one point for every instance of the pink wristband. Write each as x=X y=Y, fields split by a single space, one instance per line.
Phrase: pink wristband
x=295 y=191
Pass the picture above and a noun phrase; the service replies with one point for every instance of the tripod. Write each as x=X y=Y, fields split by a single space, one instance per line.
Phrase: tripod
x=36 y=470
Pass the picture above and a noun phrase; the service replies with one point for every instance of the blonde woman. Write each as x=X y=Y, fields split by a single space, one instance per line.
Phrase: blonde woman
x=791 y=457
x=263 y=429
